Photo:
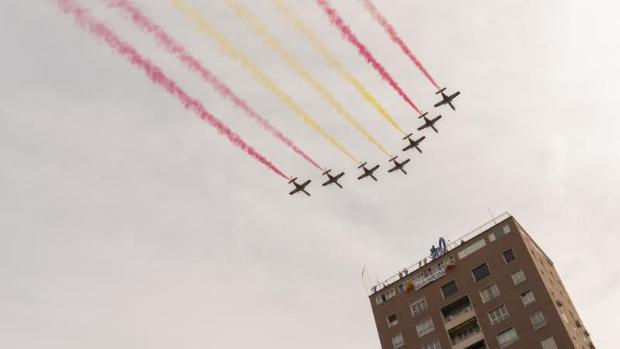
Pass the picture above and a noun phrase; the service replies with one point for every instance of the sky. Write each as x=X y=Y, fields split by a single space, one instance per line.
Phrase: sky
x=128 y=222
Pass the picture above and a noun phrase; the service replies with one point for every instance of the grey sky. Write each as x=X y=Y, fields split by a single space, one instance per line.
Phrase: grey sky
x=127 y=222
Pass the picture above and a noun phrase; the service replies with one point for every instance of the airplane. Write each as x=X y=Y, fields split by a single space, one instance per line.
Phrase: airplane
x=368 y=172
x=398 y=165
x=333 y=179
x=299 y=187
x=413 y=143
x=446 y=99
x=429 y=123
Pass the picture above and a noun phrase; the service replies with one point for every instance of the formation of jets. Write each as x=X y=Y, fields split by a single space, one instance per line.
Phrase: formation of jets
x=446 y=99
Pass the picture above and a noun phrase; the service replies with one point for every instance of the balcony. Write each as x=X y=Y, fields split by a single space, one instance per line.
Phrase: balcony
x=467 y=338
x=457 y=313
x=458 y=317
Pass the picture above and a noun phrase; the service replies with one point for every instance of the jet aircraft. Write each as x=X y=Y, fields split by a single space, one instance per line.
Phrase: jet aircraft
x=429 y=122
x=413 y=143
x=398 y=165
x=333 y=179
x=299 y=187
x=368 y=172
x=446 y=99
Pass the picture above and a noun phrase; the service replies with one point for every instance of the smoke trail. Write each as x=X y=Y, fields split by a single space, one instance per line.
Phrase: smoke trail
x=348 y=34
x=193 y=64
x=157 y=76
x=206 y=27
x=294 y=64
x=334 y=62
x=397 y=39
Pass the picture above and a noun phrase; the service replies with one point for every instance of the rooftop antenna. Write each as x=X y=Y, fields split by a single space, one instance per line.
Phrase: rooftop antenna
x=492 y=216
x=364 y=281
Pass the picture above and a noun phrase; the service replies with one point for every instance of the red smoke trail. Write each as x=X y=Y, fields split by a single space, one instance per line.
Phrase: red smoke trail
x=192 y=63
x=348 y=34
x=396 y=38
x=158 y=77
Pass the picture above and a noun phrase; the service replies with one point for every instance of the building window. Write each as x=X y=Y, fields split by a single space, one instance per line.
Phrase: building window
x=527 y=298
x=433 y=345
x=518 y=277
x=498 y=314
x=471 y=248
x=488 y=293
x=481 y=272
x=424 y=327
x=386 y=296
x=418 y=307
x=509 y=255
x=449 y=289
x=398 y=341
x=548 y=343
x=499 y=233
x=392 y=320
x=538 y=320
x=507 y=337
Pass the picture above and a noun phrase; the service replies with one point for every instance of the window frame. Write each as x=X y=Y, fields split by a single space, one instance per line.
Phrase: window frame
x=533 y=298
x=540 y=324
x=482 y=278
x=436 y=344
x=514 y=256
x=502 y=317
x=514 y=281
x=452 y=294
x=420 y=300
x=487 y=287
x=542 y=344
x=402 y=341
x=504 y=345
x=428 y=330
x=390 y=324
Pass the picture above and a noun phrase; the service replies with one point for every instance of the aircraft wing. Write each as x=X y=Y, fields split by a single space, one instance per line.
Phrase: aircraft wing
x=422 y=127
x=440 y=103
x=404 y=162
x=393 y=169
x=437 y=118
x=293 y=191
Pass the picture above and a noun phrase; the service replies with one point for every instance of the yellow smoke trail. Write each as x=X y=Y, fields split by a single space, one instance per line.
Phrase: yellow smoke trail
x=263 y=32
x=206 y=27
x=329 y=57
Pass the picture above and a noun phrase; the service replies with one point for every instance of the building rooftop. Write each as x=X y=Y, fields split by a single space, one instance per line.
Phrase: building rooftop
x=444 y=247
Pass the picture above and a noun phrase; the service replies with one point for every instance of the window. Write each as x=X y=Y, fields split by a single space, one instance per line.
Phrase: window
x=418 y=307
x=433 y=345
x=509 y=255
x=481 y=272
x=471 y=248
x=424 y=327
x=499 y=233
x=527 y=298
x=449 y=289
x=392 y=320
x=538 y=320
x=488 y=293
x=507 y=337
x=498 y=314
x=548 y=343
x=518 y=277
x=398 y=341
x=386 y=296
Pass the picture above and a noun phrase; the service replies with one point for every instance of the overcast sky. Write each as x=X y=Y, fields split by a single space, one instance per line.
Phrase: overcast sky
x=127 y=222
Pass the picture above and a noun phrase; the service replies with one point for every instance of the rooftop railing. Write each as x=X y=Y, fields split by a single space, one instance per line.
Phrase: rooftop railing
x=451 y=244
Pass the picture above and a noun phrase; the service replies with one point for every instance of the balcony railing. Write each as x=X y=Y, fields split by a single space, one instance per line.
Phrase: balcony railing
x=457 y=312
x=464 y=335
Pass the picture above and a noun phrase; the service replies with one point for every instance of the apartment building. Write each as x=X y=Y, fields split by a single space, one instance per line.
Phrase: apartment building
x=492 y=288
